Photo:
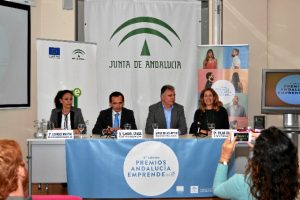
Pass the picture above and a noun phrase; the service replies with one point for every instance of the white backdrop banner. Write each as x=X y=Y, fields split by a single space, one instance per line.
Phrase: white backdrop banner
x=67 y=65
x=144 y=45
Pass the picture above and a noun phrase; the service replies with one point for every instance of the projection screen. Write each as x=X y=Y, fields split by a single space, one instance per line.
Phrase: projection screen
x=14 y=55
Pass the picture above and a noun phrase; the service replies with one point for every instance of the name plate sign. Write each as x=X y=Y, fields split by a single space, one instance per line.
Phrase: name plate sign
x=166 y=134
x=60 y=134
x=129 y=134
x=220 y=133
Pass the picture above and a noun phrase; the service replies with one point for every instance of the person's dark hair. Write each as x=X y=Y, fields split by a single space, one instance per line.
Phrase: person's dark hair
x=237 y=50
x=216 y=102
x=273 y=171
x=235 y=80
x=212 y=53
x=166 y=87
x=59 y=96
x=208 y=74
x=115 y=94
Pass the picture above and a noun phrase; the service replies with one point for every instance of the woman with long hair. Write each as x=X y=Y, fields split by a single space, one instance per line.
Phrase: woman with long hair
x=211 y=111
x=272 y=173
x=210 y=62
x=64 y=115
x=237 y=84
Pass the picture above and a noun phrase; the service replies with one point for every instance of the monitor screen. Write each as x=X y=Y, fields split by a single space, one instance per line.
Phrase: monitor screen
x=280 y=91
x=14 y=55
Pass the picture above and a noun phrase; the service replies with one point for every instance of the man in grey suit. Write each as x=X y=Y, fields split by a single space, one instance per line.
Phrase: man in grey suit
x=166 y=113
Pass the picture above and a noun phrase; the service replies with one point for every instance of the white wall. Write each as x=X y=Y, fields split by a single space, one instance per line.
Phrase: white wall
x=271 y=29
x=48 y=20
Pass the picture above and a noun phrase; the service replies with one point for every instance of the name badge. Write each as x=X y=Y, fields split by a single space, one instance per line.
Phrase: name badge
x=60 y=134
x=166 y=134
x=220 y=133
x=129 y=134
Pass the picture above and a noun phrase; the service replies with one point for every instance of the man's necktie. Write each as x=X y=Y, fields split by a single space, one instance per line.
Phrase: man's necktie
x=116 y=121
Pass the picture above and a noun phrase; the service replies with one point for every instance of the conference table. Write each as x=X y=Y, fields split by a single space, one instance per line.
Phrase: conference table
x=100 y=167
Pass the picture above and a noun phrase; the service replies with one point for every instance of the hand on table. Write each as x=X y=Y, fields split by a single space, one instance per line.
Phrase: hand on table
x=110 y=130
x=76 y=131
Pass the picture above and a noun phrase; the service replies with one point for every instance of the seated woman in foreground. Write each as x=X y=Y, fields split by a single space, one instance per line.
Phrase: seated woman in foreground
x=272 y=173
x=211 y=112
x=64 y=116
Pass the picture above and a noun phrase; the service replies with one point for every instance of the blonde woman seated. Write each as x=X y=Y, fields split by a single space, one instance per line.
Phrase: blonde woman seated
x=211 y=112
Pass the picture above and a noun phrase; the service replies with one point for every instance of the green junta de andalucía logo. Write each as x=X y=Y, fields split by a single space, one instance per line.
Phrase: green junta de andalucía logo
x=145 y=30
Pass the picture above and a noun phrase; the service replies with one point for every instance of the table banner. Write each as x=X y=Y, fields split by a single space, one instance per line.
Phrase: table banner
x=142 y=168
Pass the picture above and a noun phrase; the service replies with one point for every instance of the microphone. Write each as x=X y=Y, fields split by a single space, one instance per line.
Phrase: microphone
x=198 y=128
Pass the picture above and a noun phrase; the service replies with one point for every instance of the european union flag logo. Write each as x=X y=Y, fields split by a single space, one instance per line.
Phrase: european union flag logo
x=54 y=52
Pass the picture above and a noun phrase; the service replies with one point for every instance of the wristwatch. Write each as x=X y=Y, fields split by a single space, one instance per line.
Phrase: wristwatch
x=224 y=162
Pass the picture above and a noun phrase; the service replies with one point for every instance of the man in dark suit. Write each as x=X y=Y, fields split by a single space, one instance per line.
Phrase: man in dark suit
x=166 y=113
x=114 y=118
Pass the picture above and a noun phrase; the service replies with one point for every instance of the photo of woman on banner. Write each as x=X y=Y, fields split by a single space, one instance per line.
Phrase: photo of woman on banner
x=210 y=115
x=235 y=80
x=210 y=62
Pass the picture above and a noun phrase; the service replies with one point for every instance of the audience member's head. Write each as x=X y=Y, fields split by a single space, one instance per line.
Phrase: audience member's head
x=273 y=170
x=13 y=175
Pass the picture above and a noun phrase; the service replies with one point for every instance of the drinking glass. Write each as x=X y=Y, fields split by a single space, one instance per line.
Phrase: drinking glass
x=104 y=131
x=154 y=126
x=81 y=127
x=50 y=125
x=234 y=124
x=44 y=127
x=127 y=126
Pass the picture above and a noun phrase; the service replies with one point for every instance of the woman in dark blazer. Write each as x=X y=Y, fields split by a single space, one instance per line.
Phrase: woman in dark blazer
x=64 y=116
x=211 y=111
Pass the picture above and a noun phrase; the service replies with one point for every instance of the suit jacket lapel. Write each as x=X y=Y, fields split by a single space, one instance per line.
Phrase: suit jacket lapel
x=122 y=122
x=173 y=116
x=162 y=115
x=110 y=117
x=59 y=115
